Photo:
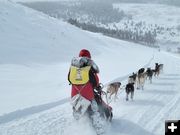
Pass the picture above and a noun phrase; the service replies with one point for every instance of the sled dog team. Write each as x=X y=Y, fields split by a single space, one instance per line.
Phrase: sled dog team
x=86 y=90
x=136 y=80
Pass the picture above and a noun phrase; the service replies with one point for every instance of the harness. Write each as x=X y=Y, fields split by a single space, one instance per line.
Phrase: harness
x=79 y=90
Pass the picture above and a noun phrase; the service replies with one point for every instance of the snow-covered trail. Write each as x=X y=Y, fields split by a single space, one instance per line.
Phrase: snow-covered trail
x=145 y=115
x=157 y=103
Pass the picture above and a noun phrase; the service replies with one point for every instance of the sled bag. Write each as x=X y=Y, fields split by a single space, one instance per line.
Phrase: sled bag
x=79 y=75
x=80 y=103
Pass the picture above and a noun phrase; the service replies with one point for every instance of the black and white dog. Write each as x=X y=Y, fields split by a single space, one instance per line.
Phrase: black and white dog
x=129 y=90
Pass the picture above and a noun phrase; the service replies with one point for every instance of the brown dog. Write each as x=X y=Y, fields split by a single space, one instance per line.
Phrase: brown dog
x=113 y=88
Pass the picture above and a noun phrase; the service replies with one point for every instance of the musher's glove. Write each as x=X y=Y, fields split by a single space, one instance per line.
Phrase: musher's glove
x=99 y=88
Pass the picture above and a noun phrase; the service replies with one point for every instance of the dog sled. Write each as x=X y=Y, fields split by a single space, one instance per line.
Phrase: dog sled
x=82 y=106
x=86 y=94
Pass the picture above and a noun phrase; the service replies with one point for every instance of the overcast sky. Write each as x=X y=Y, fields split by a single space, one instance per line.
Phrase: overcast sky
x=35 y=0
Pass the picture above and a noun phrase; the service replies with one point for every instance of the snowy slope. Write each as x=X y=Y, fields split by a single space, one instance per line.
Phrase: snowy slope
x=36 y=51
x=139 y=20
x=163 y=16
x=35 y=54
x=145 y=115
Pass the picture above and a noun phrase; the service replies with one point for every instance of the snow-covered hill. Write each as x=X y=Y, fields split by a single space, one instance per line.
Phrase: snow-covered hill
x=36 y=51
x=163 y=18
x=127 y=21
x=35 y=54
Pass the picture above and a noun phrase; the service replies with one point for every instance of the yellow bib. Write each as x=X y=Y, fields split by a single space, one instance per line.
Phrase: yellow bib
x=79 y=75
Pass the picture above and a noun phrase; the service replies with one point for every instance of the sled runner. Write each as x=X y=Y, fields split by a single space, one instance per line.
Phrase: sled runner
x=104 y=109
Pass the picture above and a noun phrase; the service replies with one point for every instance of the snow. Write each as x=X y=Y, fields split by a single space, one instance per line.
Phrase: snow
x=161 y=14
x=37 y=58
x=35 y=54
x=157 y=102
x=164 y=16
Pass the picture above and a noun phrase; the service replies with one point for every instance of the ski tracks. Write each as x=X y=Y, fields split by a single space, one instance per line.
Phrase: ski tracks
x=154 y=117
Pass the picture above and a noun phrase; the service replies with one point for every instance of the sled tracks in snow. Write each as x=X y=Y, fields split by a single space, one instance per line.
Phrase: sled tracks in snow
x=29 y=111
x=40 y=108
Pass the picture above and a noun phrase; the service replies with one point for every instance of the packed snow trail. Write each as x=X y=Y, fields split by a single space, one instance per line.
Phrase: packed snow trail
x=158 y=102
x=39 y=108
x=32 y=110
x=145 y=115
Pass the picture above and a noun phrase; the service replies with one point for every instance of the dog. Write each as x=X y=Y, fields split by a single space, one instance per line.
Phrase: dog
x=156 y=70
x=113 y=88
x=132 y=78
x=149 y=73
x=129 y=90
x=141 y=77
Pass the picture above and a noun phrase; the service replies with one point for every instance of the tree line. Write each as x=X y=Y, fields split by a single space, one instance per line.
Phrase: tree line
x=146 y=38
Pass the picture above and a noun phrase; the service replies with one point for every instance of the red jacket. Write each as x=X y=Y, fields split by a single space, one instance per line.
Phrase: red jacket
x=85 y=90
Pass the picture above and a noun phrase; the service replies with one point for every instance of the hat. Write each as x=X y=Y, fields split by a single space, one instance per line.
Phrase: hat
x=84 y=53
